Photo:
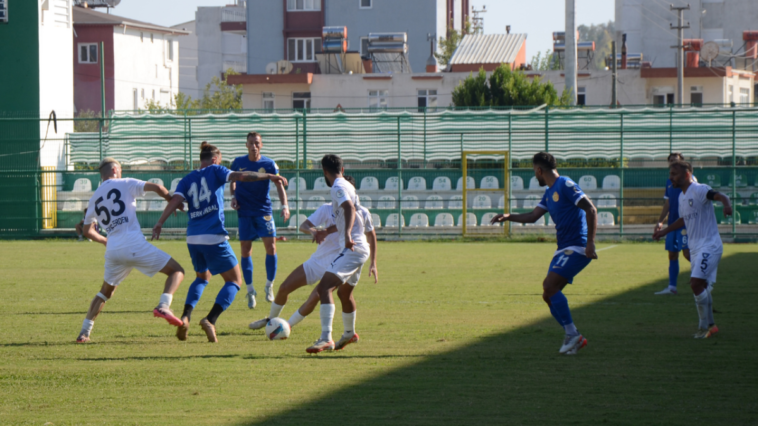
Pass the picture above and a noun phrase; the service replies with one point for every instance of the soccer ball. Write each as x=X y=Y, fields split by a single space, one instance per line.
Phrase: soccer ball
x=277 y=329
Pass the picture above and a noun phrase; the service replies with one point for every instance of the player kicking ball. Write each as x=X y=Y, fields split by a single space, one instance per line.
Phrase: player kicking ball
x=354 y=249
x=575 y=220
x=207 y=239
x=114 y=207
x=697 y=213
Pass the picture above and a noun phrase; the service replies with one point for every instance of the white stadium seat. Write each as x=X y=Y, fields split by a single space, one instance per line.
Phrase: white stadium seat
x=276 y=205
x=441 y=183
x=456 y=202
x=227 y=204
x=501 y=202
x=174 y=184
x=611 y=182
x=365 y=201
x=517 y=184
x=534 y=184
x=160 y=205
x=419 y=220
x=320 y=184
x=391 y=184
x=434 y=202
x=315 y=202
x=296 y=220
x=72 y=206
x=228 y=189
x=386 y=202
x=417 y=184
x=409 y=202
x=532 y=201
x=157 y=181
x=605 y=218
x=377 y=220
x=82 y=185
x=606 y=200
x=470 y=183
x=141 y=205
x=487 y=218
x=294 y=183
x=444 y=219
x=489 y=182
x=482 y=202
x=470 y=220
x=392 y=221
x=588 y=183
x=369 y=183
x=271 y=187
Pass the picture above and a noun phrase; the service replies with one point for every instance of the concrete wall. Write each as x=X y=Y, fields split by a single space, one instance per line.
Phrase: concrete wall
x=265 y=26
x=188 y=61
x=217 y=50
x=715 y=90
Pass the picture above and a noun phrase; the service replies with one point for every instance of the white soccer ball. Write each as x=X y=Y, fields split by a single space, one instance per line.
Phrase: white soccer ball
x=277 y=329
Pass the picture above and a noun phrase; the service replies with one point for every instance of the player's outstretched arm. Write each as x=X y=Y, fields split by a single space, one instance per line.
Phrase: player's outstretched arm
x=158 y=189
x=662 y=217
x=255 y=177
x=591 y=215
x=174 y=204
x=679 y=224
x=371 y=237
x=285 y=214
x=90 y=232
x=720 y=196
x=308 y=228
x=530 y=217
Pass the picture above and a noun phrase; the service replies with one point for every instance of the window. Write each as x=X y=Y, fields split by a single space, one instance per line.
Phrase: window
x=696 y=99
x=301 y=100
x=153 y=94
x=366 y=4
x=170 y=50
x=581 y=96
x=303 y=5
x=744 y=96
x=731 y=94
x=136 y=98
x=151 y=37
x=427 y=99
x=364 y=46
x=377 y=99
x=142 y=37
x=268 y=102
x=143 y=94
x=3 y=10
x=87 y=53
x=303 y=49
x=663 y=99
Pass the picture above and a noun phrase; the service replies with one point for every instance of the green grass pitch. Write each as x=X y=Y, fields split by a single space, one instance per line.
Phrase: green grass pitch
x=454 y=333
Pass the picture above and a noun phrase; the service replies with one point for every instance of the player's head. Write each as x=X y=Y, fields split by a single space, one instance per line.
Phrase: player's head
x=680 y=173
x=351 y=180
x=254 y=144
x=110 y=168
x=544 y=164
x=333 y=168
x=209 y=154
x=675 y=156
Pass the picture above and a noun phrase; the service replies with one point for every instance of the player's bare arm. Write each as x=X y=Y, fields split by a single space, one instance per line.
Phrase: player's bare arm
x=679 y=224
x=309 y=228
x=723 y=198
x=662 y=217
x=530 y=217
x=320 y=235
x=255 y=177
x=285 y=214
x=371 y=237
x=175 y=203
x=591 y=214
x=349 y=209
x=232 y=190
x=91 y=233
x=160 y=190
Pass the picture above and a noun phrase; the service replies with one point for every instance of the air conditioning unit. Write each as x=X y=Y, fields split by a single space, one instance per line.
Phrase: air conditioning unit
x=663 y=90
x=3 y=10
x=696 y=89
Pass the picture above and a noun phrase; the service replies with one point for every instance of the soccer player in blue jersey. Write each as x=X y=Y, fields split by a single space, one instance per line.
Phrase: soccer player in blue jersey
x=676 y=241
x=207 y=239
x=253 y=205
x=575 y=220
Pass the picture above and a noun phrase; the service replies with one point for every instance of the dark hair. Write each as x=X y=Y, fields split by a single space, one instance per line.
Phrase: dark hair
x=675 y=155
x=332 y=163
x=208 y=151
x=544 y=161
x=351 y=180
x=681 y=166
x=254 y=134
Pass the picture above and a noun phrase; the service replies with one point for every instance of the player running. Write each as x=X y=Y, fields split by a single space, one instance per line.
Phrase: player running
x=253 y=205
x=697 y=213
x=354 y=250
x=206 y=236
x=575 y=220
x=677 y=240
x=114 y=206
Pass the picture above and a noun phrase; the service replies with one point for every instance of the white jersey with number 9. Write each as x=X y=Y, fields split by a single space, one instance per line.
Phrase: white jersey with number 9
x=114 y=206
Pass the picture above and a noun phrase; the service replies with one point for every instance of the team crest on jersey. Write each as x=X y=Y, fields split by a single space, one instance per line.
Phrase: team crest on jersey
x=568 y=252
x=261 y=170
x=684 y=232
x=555 y=197
x=267 y=218
x=570 y=183
x=340 y=193
x=690 y=202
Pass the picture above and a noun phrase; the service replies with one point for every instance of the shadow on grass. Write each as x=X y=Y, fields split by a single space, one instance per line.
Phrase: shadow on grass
x=82 y=313
x=641 y=366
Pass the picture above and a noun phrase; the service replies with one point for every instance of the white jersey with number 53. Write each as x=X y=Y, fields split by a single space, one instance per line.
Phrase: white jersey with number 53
x=114 y=206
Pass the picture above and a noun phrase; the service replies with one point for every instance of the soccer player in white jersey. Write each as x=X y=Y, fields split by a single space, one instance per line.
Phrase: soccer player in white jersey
x=114 y=207
x=697 y=213
x=354 y=247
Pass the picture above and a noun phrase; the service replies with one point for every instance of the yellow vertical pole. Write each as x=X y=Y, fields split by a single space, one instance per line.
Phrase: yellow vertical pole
x=465 y=194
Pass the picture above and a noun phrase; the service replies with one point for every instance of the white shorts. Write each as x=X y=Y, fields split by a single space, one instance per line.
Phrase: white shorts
x=705 y=265
x=348 y=265
x=314 y=269
x=147 y=258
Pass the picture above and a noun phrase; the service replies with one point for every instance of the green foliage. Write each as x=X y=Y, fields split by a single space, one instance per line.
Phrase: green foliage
x=602 y=35
x=87 y=125
x=217 y=96
x=446 y=46
x=544 y=63
x=505 y=88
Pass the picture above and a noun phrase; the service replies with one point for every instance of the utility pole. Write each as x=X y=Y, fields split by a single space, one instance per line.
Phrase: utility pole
x=614 y=91
x=680 y=51
x=570 y=34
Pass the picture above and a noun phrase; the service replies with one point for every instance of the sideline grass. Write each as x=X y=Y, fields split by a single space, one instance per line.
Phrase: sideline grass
x=454 y=333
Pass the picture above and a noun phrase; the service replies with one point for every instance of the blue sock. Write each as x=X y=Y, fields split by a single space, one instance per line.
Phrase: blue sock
x=247 y=270
x=271 y=267
x=226 y=295
x=195 y=291
x=559 y=307
x=673 y=272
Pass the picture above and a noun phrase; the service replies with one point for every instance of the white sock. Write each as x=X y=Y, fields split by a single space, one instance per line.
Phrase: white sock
x=275 y=310
x=327 y=316
x=348 y=320
x=87 y=326
x=269 y=283
x=250 y=288
x=166 y=299
x=571 y=329
x=296 y=318
x=701 y=303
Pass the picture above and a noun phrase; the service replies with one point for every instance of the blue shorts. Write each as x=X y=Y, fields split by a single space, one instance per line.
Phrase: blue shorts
x=568 y=264
x=677 y=240
x=218 y=258
x=252 y=228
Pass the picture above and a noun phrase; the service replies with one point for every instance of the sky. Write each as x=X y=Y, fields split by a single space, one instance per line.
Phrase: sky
x=537 y=18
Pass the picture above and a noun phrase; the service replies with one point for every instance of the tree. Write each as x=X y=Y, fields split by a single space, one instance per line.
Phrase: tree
x=602 y=35
x=87 y=125
x=223 y=97
x=505 y=88
x=447 y=46
x=544 y=63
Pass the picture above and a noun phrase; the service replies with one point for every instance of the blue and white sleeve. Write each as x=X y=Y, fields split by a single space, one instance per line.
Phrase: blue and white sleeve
x=181 y=188
x=543 y=202
x=572 y=191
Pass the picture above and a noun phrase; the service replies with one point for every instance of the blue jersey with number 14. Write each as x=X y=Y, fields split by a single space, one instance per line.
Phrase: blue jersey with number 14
x=204 y=192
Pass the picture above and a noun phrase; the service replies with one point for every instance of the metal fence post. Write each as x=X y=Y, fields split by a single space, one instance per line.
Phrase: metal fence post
x=102 y=97
x=671 y=128
x=507 y=207
x=189 y=142
x=425 y=137
x=399 y=182
x=305 y=139
x=185 y=139
x=621 y=189
x=547 y=128
x=734 y=172
x=297 y=174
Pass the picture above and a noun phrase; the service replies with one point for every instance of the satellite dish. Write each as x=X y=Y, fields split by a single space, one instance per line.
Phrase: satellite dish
x=271 y=68
x=112 y=3
x=283 y=67
x=709 y=51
